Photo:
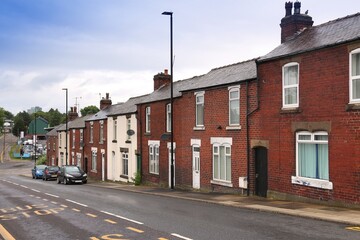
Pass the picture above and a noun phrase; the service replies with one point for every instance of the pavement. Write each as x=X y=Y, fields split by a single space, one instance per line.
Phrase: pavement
x=350 y=216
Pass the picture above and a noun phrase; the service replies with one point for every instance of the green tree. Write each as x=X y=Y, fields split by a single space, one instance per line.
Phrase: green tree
x=89 y=110
x=54 y=117
x=21 y=122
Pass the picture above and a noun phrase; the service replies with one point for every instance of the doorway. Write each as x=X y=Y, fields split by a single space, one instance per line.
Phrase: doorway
x=261 y=171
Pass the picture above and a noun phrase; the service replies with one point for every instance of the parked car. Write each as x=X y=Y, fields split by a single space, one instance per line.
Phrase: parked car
x=50 y=172
x=37 y=171
x=71 y=174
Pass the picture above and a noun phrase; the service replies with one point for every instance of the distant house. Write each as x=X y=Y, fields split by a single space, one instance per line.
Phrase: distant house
x=52 y=143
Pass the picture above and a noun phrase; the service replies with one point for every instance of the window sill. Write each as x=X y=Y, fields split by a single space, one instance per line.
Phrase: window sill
x=352 y=106
x=221 y=183
x=233 y=128
x=199 y=128
x=114 y=141
x=157 y=174
x=127 y=141
x=93 y=171
x=290 y=110
x=311 y=182
x=124 y=176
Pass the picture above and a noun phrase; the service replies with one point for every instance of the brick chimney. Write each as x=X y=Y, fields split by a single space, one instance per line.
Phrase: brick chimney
x=105 y=102
x=161 y=79
x=73 y=113
x=293 y=23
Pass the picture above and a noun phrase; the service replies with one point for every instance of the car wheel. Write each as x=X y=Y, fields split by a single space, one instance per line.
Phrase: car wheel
x=65 y=182
x=33 y=176
x=43 y=179
x=58 y=180
x=84 y=182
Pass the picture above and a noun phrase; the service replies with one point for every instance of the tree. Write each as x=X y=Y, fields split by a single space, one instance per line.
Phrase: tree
x=54 y=117
x=21 y=122
x=89 y=110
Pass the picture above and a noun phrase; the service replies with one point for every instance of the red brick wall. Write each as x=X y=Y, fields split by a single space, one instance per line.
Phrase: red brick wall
x=324 y=95
x=51 y=152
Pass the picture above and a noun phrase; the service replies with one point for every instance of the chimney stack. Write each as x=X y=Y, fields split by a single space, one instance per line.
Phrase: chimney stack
x=161 y=79
x=72 y=115
x=105 y=102
x=293 y=23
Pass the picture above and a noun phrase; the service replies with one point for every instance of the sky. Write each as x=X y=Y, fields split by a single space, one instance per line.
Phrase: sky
x=94 y=47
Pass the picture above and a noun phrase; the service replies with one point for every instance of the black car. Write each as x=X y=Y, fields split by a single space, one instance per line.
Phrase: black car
x=71 y=174
x=50 y=172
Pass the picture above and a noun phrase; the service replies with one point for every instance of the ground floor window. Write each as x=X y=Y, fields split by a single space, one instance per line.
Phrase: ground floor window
x=221 y=159
x=313 y=155
x=125 y=163
x=154 y=157
x=93 y=160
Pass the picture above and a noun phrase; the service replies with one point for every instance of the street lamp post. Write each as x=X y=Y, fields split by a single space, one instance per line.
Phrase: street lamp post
x=171 y=98
x=66 y=128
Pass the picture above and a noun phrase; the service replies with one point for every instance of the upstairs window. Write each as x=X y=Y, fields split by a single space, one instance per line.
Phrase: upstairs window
x=199 y=109
x=101 y=133
x=290 y=85
x=115 y=129
x=73 y=138
x=234 y=106
x=128 y=127
x=91 y=132
x=147 y=119
x=355 y=76
x=168 y=117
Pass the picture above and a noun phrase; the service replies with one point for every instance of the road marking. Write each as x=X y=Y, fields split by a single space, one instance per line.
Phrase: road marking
x=162 y=238
x=53 y=202
x=91 y=215
x=76 y=202
x=135 y=230
x=76 y=210
x=5 y=234
x=179 y=236
x=16 y=184
x=124 y=218
x=35 y=190
x=353 y=228
x=64 y=206
x=110 y=221
x=46 y=200
x=23 y=186
x=52 y=195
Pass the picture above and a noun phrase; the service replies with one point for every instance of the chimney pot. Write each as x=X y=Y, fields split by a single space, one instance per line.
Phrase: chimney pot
x=297 y=6
x=288 y=8
x=166 y=72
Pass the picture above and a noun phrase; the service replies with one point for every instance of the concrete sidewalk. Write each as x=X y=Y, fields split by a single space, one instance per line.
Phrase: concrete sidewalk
x=314 y=211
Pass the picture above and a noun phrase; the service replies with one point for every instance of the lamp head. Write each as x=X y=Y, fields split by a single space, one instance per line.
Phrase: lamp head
x=167 y=13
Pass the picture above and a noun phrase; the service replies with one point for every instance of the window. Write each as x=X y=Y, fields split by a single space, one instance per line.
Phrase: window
x=91 y=132
x=199 y=109
x=168 y=117
x=312 y=155
x=128 y=127
x=101 y=133
x=115 y=129
x=147 y=119
x=355 y=76
x=154 y=157
x=222 y=160
x=81 y=138
x=93 y=160
x=73 y=138
x=54 y=145
x=234 y=106
x=291 y=85
x=125 y=163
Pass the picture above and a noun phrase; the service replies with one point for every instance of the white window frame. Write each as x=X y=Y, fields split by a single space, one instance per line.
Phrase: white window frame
x=115 y=129
x=217 y=143
x=125 y=163
x=352 y=78
x=199 y=103
x=73 y=138
x=81 y=138
x=128 y=127
x=147 y=119
x=91 y=132
x=306 y=181
x=101 y=132
x=168 y=117
x=93 y=159
x=154 y=151
x=236 y=99
x=294 y=105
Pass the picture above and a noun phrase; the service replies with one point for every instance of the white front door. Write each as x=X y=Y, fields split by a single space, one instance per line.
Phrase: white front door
x=196 y=167
x=170 y=167
x=103 y=166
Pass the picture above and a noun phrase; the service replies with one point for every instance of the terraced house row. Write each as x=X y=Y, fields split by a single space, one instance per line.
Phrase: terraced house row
x=284 y=125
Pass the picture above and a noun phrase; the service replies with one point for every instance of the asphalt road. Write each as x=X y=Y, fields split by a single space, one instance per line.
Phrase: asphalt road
x=34 y=209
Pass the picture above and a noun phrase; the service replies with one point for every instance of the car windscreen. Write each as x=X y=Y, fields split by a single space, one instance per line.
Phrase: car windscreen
x=54 y=168
x=72 y=169
x=41 y=167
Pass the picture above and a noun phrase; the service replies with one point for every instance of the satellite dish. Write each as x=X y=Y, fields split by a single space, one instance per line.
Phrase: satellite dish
x=130 y=132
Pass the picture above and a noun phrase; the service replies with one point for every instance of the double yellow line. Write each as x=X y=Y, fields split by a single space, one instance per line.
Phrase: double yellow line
x=5 y=234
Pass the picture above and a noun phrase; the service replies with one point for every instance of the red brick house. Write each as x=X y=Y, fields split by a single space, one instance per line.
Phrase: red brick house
x=76 y=141
x=305 y=137
x=52 y=143
x=210 y=113
x=95 y=141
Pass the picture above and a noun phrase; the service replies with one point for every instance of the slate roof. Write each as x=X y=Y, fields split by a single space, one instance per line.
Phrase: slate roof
x=335 y=32
x=216 y=77
x=127 y=107
x=102 y=114
x=79 y=122
x=224 y=75
x=53 y=132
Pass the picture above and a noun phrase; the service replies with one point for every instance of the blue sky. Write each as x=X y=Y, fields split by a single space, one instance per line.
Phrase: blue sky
x=93 y=47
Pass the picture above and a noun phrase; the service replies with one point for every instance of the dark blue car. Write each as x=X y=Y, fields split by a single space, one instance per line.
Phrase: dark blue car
x=38 y=171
